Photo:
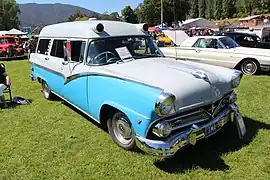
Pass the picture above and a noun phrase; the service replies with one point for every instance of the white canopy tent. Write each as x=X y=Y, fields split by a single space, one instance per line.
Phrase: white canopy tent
x=15 y=32
x=3 y=33
x=177 y=36
x=198 y=22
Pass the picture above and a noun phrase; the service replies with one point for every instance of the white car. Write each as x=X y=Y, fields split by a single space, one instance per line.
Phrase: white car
x=114 y=73
x=221 y=51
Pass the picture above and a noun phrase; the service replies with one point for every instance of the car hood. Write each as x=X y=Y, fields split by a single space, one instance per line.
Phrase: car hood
x=253 y=51
x=176 y=77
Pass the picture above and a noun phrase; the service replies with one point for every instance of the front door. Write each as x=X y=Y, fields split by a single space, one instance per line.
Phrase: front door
x=73 y=68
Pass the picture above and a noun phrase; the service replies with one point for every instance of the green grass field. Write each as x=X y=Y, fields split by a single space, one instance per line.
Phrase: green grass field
x=49 y=140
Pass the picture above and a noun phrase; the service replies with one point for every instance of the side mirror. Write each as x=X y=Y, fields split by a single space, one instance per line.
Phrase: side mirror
x=65 y=58
x=67 y=51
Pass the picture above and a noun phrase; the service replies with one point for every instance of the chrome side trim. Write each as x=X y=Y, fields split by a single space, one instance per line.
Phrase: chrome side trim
x=75 y=76
x=84 y=74
x=48 y=69
x=265 y=67
x=172 y=145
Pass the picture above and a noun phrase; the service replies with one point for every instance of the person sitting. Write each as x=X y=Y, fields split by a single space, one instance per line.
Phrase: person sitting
x=4 y=84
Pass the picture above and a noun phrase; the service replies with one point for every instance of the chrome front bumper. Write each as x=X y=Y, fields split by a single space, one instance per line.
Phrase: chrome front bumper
x=171 y=146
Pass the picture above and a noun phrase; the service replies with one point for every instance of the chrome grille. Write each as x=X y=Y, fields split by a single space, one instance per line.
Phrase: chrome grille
x=198 y=116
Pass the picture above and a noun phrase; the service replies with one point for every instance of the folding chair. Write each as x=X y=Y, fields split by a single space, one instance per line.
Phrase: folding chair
x=8 y=89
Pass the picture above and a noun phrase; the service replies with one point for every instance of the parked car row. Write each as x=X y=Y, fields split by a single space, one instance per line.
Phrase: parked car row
x=221 y=51
x=115 y=73
x=9 y=48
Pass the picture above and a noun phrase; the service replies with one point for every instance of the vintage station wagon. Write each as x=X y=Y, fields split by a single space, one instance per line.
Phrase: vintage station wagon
x=114 y=73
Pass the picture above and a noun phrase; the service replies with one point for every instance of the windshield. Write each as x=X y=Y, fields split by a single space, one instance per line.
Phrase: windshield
x=228 y=42
x=111 y=50
x=7 y=40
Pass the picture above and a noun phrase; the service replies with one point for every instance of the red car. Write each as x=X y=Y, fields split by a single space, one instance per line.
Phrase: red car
x=9 y=48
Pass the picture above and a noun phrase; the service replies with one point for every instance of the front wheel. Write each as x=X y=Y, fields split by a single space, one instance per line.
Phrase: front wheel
x=46 y=91
x=250 y=67
x=121 y=131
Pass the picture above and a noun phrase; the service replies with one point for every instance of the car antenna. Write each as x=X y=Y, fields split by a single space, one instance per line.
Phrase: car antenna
x=175 y=28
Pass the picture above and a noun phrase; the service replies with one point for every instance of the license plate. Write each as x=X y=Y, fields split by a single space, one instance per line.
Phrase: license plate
x=215 y=127
x=241 y=127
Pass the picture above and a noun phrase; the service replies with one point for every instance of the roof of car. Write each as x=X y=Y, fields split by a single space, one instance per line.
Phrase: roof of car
x=85 y=29
x=191 y=40
x=6 y=37
x=238 y=33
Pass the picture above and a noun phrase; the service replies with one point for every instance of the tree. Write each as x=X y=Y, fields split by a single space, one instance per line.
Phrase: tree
x=194 y=11
x=9 y=11
x=265 y=6
x=77 y=15
x=250 y=6
x=218 y=9
x=202 y=8
x=210 y=12
x=228 y=8
x=129 y=15
x=173 y=11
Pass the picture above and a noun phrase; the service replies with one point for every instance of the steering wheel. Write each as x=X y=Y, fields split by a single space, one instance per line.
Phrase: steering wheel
x=104 y=53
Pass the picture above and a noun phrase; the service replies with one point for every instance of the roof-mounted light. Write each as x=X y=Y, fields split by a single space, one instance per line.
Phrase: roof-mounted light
x=99 y=28
x=145 y=27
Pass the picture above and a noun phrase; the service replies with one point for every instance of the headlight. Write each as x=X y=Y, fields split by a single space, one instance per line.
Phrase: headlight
x=162 y=129
x=236 y=79
x=165 y=104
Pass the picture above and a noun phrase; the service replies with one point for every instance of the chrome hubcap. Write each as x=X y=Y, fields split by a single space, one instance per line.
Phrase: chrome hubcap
x=46 y=90
x=122 y=129
x=249 y=67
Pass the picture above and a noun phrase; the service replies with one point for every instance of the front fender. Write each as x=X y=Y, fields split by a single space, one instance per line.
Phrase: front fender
x=136 y=100
x=139 y=121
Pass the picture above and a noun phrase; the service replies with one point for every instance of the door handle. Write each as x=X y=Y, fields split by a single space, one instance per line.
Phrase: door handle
x=46 y=58
x=197 y=50
x=64 y=63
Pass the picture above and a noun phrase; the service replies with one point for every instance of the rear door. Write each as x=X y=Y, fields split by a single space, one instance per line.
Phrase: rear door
x=55 y=61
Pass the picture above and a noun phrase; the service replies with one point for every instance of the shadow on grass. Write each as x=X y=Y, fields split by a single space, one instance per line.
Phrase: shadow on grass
x=206 y=154
x=102 y=127
x=12 y=104
x=3 y=59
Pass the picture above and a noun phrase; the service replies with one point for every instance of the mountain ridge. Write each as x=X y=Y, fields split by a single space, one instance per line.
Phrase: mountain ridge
x=35 y=14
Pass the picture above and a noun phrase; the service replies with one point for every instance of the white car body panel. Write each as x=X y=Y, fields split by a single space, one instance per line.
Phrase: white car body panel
x=222 y=56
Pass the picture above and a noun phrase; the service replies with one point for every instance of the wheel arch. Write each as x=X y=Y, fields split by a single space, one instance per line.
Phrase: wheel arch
x=138 y=121
x=238 y=66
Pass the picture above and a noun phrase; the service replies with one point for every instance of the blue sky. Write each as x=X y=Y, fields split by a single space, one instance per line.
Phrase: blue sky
x=100 y=6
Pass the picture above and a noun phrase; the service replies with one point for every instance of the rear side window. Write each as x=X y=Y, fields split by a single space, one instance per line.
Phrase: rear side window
x=43 y=46
x=58 y=48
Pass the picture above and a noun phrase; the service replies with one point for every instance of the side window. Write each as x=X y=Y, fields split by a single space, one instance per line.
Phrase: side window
x=77 y=50
x=43 y=46
x=206 y=43
x=245 y=39
x=58 y=48
x=140 y=47
x=198 y=43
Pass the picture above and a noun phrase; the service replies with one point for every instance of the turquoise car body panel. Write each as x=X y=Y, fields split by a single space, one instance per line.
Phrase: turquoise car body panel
x=91 y=93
